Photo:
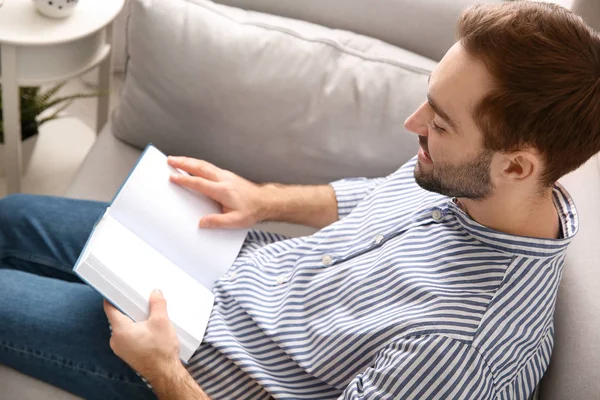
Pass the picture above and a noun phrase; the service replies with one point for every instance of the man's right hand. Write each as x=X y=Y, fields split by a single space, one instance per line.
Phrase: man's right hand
x=245 y=203
x=242 y=201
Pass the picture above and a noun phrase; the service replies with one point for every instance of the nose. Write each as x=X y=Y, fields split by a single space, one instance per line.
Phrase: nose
x=417 y=122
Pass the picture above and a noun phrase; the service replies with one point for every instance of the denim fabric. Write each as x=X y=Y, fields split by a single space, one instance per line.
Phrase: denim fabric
x=52 y=326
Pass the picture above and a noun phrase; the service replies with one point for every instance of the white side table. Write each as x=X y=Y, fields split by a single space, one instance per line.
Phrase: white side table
x=36 y=50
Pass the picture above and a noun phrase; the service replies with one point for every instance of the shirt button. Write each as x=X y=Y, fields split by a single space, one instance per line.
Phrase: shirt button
x=437 y=215
x=233 y=275
x=280 y=280
x=378 y=239
x=327 y=260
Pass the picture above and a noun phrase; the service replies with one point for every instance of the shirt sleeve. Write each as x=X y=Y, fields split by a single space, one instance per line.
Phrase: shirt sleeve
x=350 y=192
x=424 y=367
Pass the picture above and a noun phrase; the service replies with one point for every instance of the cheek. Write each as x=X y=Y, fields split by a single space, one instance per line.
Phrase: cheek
x=446 y=149
x=436 y=146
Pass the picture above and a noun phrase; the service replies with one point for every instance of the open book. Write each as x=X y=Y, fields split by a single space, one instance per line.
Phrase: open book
x=149 y=239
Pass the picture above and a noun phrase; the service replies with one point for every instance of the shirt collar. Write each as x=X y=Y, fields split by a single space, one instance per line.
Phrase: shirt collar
x=522 y=245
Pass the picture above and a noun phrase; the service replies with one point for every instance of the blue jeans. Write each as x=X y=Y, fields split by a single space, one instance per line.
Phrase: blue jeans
x=52 y=326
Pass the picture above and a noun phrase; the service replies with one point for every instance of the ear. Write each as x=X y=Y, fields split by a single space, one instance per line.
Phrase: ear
x=521 y=165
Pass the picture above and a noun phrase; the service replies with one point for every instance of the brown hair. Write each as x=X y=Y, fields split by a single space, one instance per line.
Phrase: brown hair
x=546 y=65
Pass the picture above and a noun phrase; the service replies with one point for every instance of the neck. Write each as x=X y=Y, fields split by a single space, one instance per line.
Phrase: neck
x=515 y=215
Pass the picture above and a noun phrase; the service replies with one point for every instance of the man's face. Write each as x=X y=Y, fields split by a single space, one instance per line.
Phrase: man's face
x=452 y=160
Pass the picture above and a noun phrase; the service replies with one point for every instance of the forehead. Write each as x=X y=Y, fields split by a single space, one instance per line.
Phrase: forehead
x=458 y=83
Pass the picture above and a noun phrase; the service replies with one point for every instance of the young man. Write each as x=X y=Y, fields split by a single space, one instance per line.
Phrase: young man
x=438 y=281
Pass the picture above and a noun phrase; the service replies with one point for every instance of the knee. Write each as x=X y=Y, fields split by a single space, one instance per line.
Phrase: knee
x=14 y=210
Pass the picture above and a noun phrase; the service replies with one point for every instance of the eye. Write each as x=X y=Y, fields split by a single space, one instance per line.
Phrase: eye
x=436 y=127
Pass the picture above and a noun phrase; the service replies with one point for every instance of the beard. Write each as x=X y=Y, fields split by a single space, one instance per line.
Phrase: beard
x=470 y=180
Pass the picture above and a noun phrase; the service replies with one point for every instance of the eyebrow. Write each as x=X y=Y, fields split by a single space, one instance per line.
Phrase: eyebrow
x=439 y=111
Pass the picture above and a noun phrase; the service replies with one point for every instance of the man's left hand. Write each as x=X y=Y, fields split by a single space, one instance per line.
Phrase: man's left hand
x=150 y=347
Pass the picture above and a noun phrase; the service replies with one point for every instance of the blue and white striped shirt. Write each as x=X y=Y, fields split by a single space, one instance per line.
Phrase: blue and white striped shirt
x=405 y=297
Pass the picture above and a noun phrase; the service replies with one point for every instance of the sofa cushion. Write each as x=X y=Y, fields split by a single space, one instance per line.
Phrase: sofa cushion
x=16 y=386
x=98 y=179
x=270 y=98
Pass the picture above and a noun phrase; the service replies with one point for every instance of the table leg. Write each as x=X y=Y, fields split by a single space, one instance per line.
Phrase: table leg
x=12 y=119
x=104 y=83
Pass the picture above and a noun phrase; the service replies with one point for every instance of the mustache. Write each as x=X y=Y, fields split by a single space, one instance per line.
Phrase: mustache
x=423 y=143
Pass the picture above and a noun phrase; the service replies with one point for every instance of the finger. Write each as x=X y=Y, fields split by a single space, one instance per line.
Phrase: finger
x=195 y=167
x=115 y=317
x=229 y=220
x=158 y=305
x=204 y=186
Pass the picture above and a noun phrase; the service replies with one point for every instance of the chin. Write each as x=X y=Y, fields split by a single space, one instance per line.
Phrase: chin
x=423 y=169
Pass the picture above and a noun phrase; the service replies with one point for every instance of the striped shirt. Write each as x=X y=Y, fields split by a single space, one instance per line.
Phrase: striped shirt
x=405 y=297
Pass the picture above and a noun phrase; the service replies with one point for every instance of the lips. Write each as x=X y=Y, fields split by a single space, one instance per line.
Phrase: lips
x=423 y=144
x=426 y=153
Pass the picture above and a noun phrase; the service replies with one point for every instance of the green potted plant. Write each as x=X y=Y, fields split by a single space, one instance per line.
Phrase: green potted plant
x=37 y=107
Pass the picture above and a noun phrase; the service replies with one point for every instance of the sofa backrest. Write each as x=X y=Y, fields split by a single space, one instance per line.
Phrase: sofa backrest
x=424 y=27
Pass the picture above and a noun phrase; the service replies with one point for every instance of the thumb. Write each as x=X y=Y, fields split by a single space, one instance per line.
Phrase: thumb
x=158 y=304
x=228 y=220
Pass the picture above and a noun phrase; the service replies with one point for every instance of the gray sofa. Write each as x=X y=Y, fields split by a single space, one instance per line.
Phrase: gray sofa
x=202 y=102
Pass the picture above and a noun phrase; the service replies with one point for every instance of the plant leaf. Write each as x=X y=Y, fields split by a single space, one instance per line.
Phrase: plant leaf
x=55 y=114
x=34 y=102
x=44 y=97
x=43 y=107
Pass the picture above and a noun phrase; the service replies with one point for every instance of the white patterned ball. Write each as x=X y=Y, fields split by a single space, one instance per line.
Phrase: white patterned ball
x=55 y=8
